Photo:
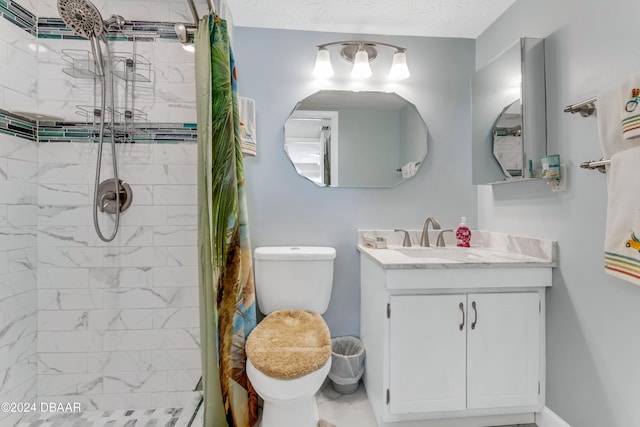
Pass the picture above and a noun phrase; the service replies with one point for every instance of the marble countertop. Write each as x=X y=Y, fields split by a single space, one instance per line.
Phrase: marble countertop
x=488 y=250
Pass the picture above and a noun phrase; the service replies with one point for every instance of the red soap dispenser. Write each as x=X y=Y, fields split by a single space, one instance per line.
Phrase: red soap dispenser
x=463 y=234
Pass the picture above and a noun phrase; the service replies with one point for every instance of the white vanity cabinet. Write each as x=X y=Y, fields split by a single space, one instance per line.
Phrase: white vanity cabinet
x=472 y=351
x=453 y=346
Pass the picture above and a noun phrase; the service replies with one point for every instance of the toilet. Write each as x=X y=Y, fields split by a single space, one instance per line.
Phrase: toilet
x=289 y=352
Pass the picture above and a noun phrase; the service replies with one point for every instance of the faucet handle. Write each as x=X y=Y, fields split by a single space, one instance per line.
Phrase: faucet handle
x=436 y=224
x=407 y=240
x=440 y=241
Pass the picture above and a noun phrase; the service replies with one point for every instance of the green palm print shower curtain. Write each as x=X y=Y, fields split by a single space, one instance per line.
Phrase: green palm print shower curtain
x=227 y=298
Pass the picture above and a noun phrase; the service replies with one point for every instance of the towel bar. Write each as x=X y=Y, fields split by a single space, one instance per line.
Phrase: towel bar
x=596 y=164
x=585 y=108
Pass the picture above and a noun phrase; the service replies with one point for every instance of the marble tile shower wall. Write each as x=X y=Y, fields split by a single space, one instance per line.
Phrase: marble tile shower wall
x=118 y=322
x=107 y=325
x=18 y=217
x=18 y=68
x=18 y=308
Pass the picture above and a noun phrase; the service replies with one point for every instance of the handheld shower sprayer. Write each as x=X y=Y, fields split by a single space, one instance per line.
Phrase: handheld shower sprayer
x=85 y=20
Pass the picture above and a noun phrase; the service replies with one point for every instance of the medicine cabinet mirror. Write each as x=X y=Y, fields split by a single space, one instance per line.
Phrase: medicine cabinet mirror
x=355 y=139
x=508 y=106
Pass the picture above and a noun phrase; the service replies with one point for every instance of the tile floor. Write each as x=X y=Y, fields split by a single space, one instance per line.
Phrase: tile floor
x=350 y=410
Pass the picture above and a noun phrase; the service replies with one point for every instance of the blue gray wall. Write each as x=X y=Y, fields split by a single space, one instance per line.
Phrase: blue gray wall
x=593 y=368
x=274 y=68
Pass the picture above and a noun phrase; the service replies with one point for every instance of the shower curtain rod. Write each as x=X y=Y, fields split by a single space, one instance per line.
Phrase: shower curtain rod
x=194 y=11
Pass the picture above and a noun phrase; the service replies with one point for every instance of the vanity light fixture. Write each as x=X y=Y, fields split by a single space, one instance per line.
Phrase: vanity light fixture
x=323 y=68
x=399 y=68
x=360 y=53
x=361 y=69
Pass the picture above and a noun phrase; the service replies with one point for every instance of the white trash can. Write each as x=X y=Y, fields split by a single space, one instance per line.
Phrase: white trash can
x=347 y=363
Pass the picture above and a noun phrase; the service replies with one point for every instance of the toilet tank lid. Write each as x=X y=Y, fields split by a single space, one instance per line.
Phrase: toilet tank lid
x=294 y=253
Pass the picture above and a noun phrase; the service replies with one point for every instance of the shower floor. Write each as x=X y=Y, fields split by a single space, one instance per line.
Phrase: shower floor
x=163 y=417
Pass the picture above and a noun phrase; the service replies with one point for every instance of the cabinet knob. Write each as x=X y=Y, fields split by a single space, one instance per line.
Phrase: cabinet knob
x=462 y=310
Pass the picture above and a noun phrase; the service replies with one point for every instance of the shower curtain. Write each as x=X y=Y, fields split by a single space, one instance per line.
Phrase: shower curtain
x=227 y=298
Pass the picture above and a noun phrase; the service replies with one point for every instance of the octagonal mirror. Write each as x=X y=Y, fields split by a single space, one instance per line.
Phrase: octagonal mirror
x=355 y=139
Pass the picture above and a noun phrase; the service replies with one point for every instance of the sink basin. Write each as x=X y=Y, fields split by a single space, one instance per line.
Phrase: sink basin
x=422 y=252
x=436 y=254
x=488 y=251
x=453 y=254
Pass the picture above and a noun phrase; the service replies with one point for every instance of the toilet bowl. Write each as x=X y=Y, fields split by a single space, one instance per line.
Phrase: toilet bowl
x=289 y=352
x=288 y=402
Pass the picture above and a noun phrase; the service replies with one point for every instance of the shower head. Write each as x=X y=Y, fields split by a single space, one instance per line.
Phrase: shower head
x=82 y=17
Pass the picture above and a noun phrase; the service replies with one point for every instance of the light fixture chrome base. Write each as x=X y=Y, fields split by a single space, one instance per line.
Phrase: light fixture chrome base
x=107 y=197
x=349 y=51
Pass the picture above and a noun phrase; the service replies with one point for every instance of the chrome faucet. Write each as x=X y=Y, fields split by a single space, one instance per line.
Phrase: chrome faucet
x=424 y=240
x=440 y=241
x=407 y=240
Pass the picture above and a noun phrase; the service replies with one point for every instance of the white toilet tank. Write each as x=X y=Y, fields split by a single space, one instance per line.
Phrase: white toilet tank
x=293 y=278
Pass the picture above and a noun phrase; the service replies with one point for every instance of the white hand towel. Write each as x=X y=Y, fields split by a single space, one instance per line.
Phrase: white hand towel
x=247 y=107
x=631 y=119
x=621 y=246
x=409 y=170
x=611 y=115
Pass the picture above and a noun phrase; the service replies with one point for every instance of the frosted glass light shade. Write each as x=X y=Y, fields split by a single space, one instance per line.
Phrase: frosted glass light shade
x=323 y=68
x=361 y=68
x=399 y=69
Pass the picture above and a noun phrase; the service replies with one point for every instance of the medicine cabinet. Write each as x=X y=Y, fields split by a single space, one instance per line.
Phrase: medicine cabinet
x=508 y=107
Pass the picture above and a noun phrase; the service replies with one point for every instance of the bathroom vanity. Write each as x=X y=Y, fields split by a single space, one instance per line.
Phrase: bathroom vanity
x=455 y=336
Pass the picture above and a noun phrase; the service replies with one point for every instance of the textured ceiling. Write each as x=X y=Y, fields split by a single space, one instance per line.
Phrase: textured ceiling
x=431 y=18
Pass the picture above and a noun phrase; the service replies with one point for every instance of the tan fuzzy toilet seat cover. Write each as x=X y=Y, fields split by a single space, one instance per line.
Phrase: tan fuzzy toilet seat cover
x=289 y=344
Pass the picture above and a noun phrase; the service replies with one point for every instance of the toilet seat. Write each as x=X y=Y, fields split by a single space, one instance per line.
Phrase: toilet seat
x=289 y=344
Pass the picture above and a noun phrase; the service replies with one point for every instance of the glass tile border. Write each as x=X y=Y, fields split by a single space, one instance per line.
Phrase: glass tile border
x=18 y=126
x=55 y=28
x=55 y=132
x=18 y=15
x=139 y=133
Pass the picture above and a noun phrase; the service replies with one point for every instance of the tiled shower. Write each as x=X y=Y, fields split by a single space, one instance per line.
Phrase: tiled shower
x=108 y=325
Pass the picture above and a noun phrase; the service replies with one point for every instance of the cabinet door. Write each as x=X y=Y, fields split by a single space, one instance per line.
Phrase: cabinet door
x=503 y=333
x=427 y=353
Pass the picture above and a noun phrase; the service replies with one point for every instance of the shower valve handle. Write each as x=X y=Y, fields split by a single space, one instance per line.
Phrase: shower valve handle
x=107 y=197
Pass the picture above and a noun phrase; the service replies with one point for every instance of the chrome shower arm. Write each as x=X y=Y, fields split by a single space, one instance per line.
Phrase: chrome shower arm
x=115 y=21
